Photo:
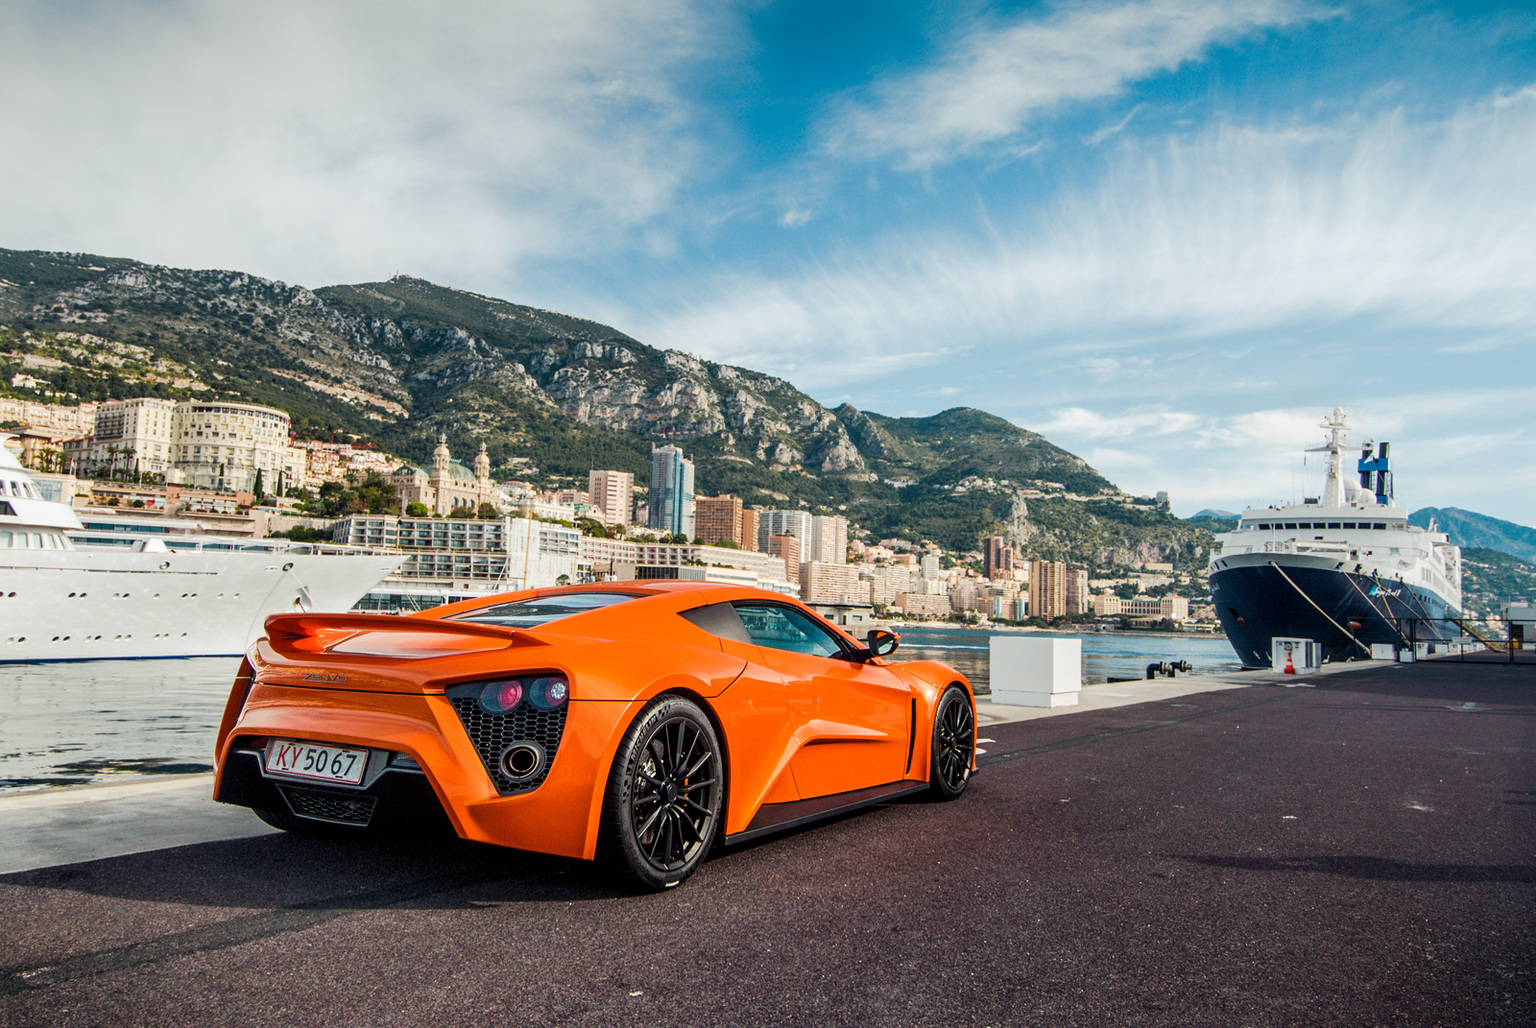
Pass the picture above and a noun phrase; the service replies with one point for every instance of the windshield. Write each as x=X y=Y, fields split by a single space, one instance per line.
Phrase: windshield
x=539 y=609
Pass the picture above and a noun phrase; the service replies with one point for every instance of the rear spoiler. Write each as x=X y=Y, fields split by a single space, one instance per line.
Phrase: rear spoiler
x=385 y=635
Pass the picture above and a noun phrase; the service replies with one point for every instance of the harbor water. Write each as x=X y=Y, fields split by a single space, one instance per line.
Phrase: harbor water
x=92 y=722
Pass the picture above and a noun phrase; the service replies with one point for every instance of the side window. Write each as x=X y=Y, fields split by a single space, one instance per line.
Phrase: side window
x=784 y=628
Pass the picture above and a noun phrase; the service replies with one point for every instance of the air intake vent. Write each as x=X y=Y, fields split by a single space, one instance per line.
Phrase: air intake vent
x=493 y=734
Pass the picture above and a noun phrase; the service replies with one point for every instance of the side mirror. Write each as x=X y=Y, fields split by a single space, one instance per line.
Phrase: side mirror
x=882 y=643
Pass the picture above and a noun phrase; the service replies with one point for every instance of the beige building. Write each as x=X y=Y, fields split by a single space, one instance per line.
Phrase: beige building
x=1047 y=589
x=449 y=484
x=228 y=445
x=821 y=582
x=130 y=435
x=717 y=519
x=612 y=495
x=921 y=605
x=786 y=547
x=1078 y=601
x=749 y=529
x=829 y=539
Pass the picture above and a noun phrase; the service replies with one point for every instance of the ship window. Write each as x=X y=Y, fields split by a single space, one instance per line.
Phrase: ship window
x=5 y=540
x=1290 y=524
x=1264 y=527
x=1379 y=527
x=1349 y=524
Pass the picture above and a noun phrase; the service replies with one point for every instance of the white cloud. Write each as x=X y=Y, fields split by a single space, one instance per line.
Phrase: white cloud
x=998 y=78
x=343 y=139
x=1395 y=225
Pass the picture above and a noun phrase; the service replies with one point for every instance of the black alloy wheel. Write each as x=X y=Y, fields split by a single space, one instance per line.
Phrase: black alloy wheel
x=954 y=744
x=665 y=792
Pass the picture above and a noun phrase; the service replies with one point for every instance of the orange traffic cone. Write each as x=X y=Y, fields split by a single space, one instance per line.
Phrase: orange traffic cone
x=1290 y=669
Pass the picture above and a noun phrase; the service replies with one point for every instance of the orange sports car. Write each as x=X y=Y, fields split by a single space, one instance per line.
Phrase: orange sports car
x=637 y=723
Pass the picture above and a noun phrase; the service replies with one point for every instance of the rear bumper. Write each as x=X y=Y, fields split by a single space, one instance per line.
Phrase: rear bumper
x=399 y=801
x=452 y=791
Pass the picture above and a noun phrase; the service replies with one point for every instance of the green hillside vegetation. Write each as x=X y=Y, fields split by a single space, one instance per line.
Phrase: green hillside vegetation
x=1490 y=579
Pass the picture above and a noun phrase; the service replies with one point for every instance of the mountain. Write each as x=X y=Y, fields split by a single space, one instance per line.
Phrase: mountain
x=553 y=395
x=1212 y=514
x=1470 y=529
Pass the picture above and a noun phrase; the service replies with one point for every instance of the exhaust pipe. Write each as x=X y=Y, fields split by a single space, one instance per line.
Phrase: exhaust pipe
x=522 y=760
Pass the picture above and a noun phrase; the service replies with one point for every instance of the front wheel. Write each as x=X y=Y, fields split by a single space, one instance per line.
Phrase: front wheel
x=954 y=745
x=662 y=807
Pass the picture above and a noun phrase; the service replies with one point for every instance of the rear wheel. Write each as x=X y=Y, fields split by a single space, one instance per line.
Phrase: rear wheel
x=661 y=811
x=954 y=744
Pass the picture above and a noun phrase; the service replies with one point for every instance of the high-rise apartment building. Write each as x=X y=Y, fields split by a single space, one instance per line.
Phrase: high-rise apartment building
x=1079 y=601
x=829 y=539
x=788 y=547
x=1047 y=589
x=671 y=497
x=784 y=522
x=749 y=529
x=930 y=566
x=717 y=519
x=612 y=494
x=998 y=559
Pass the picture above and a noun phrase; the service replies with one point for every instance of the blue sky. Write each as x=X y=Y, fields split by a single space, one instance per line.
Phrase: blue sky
x=1170 y=236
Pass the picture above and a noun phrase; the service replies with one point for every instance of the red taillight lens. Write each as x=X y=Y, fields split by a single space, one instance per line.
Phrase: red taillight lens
x=501 y=697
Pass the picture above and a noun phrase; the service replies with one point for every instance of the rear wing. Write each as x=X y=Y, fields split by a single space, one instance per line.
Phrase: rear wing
x=305 y=636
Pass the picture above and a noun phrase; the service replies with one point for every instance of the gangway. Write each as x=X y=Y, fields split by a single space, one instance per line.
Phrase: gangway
x=1496 y=647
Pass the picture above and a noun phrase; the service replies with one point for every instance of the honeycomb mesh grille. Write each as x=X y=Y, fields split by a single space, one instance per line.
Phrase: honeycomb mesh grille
x=325 y=806
x=492 y=733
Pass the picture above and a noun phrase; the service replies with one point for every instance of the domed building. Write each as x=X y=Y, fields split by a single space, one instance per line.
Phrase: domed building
x=449 y=484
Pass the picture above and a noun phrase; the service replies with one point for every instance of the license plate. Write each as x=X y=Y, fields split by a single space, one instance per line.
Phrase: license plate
x=322 y=763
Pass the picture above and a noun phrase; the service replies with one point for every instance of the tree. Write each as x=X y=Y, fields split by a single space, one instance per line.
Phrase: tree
x=416 y=509
x=461 y=513
x=259 y=488
x=488 y=512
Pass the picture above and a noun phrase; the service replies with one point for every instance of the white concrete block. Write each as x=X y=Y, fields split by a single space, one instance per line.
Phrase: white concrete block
x=1031 y=671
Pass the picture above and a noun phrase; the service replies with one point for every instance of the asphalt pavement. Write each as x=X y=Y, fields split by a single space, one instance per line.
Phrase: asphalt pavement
x=1357 y=852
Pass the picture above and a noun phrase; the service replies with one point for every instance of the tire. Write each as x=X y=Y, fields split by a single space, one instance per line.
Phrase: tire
x=954 y=745
x=661 y=810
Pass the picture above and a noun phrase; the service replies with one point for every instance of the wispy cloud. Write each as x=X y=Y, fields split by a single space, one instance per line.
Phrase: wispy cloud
x=996 y=79
x=343 y=139
x=1448 y=445
x=1414 y=225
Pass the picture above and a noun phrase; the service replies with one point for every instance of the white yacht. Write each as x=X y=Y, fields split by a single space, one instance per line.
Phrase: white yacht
x=66 y=594
x=1345 y=569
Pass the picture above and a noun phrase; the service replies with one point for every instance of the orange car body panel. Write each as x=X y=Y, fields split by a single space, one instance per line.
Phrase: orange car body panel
x=793 y=727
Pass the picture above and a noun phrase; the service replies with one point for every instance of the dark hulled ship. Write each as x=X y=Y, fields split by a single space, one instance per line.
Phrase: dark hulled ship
x=1345 y=569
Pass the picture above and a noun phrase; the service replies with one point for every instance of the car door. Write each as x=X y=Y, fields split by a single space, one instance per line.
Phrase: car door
x=850 y=720
x=755 y=713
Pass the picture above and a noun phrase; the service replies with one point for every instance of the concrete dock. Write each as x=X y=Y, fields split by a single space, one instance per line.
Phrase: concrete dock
x=1359 y=848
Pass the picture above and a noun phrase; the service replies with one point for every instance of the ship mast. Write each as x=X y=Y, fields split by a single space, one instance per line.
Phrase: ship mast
x=1333 y=490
